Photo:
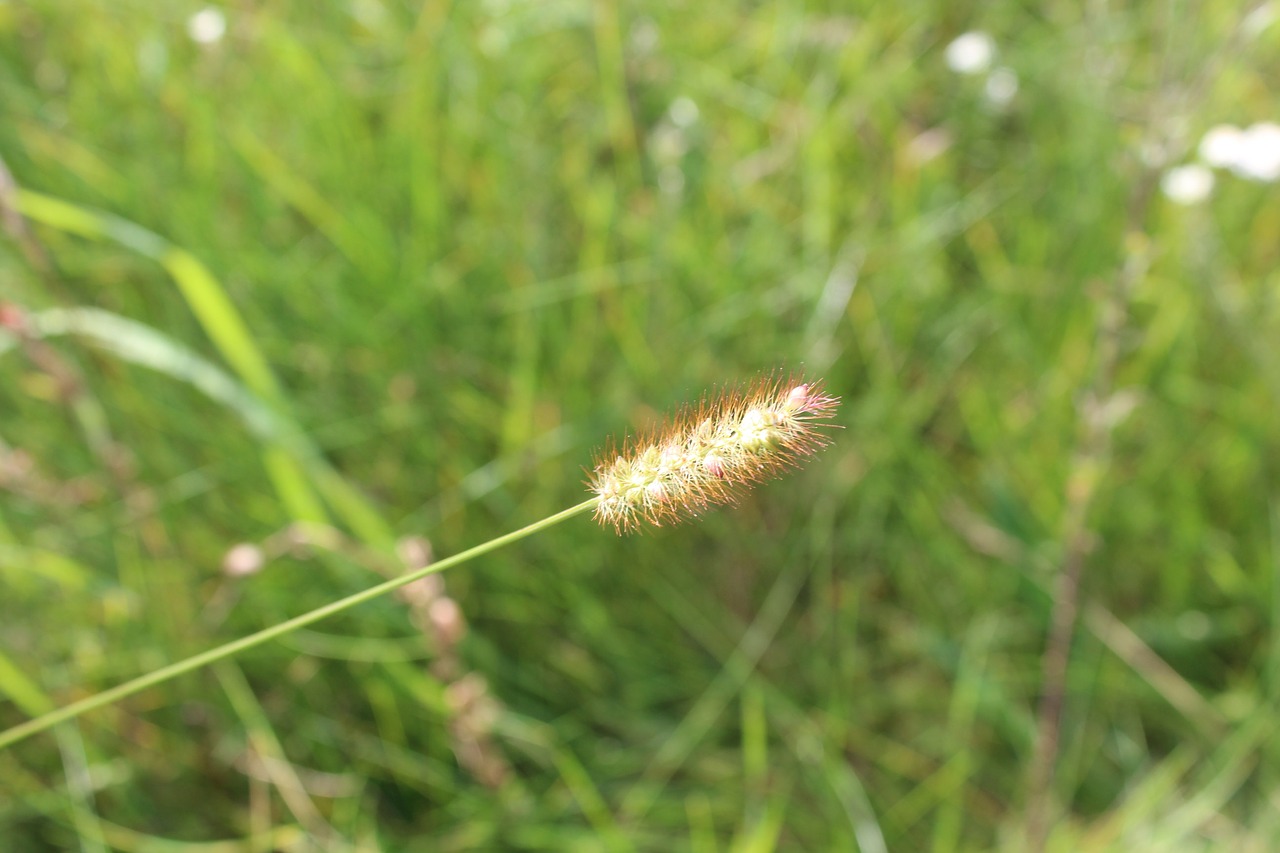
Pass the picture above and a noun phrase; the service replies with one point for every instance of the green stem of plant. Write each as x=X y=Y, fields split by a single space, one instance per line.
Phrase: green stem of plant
x=173 y=670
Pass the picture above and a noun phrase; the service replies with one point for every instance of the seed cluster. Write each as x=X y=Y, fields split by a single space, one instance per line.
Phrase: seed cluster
x=708 y=453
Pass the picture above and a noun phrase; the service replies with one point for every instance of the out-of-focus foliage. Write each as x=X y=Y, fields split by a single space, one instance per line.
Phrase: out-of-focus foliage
x=393 y=269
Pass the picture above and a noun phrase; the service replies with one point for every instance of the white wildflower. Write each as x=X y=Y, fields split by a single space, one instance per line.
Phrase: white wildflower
x=1221 y=145
x=1259 y=155
x=971 y=53
x=207 y=26
x=1190 y=184
x=1253 y=153
x=1001 y=86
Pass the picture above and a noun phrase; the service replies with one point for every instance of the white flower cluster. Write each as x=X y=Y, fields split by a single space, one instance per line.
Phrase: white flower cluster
x=207 y=26
x=973 y=54
x=1252 y=153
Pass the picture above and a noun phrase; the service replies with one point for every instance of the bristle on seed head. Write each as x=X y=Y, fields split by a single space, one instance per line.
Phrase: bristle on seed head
x=711 y=452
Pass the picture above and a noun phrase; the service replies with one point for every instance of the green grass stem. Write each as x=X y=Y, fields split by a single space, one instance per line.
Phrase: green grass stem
x=173 y=670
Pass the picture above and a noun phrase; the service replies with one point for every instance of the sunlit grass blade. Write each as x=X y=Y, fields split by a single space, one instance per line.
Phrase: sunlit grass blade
x=218 y=316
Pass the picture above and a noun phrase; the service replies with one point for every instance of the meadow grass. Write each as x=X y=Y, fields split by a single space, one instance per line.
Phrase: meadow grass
x=360 y=272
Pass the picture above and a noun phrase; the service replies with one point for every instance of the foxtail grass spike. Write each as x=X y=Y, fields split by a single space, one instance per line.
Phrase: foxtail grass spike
x=710 y=453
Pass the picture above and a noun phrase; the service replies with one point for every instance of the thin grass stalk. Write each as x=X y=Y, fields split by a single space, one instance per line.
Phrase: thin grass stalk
x=173 y=670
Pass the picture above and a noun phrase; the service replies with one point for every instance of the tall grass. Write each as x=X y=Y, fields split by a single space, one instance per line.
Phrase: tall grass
x=443 y=249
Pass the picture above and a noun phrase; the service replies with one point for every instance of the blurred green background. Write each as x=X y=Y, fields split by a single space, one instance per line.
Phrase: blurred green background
x=341 y=282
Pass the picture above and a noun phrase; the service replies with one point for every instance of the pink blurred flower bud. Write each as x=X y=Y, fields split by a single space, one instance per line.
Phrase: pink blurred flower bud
x=447 y=621
x=415 y=552
x=243 y=560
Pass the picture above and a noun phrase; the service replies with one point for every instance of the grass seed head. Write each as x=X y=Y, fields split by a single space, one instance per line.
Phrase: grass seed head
x=708 y=454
